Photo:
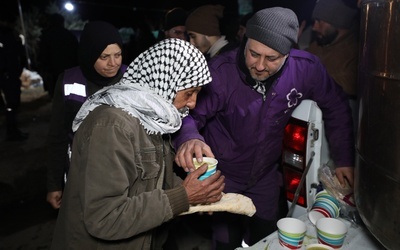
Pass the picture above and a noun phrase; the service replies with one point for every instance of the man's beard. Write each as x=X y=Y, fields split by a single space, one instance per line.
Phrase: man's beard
x=183 y=111
x=326 y=39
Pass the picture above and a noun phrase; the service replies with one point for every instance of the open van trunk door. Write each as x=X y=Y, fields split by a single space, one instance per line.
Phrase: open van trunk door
x=304 y=145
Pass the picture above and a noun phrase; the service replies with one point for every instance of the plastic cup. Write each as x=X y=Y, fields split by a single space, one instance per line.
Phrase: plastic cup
x=212 y=166
x=331 y=232
x=291 y=232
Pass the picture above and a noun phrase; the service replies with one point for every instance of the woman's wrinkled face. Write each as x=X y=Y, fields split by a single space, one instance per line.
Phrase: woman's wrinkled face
x=262 y=61
x=109 y=62
x=186 y=98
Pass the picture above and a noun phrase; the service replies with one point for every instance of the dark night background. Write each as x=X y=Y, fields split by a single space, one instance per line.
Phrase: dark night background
x=132 y=17
x=122 y=12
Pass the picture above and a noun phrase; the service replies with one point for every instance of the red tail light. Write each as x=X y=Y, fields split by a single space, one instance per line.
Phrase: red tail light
x=293 y=158
x=292 y=180
x=295 y=136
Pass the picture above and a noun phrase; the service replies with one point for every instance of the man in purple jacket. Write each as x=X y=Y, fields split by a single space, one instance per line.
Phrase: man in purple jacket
x=241 y=115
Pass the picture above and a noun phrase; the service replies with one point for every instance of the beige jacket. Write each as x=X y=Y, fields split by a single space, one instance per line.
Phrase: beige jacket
x=341 y=61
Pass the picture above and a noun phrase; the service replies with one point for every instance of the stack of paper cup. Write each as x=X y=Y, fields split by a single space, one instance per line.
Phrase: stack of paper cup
x=325 y=206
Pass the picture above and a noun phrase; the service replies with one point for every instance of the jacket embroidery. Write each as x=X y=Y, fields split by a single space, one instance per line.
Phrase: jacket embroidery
x=293 y=97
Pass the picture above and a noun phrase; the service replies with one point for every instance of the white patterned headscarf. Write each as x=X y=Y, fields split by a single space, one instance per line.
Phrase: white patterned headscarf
x=149 y=86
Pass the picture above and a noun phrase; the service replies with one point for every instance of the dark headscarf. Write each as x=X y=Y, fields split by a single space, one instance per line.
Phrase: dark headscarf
x=95 y=37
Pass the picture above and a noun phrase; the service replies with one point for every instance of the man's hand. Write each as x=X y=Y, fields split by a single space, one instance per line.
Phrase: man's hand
x=188 y=150
x=347 y=173
x=206 y=191
x=54 y=198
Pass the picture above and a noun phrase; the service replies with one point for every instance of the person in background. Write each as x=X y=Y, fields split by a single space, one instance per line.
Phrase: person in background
x=204 y=32
x=242 y=27
x=174 y=24
x=336 y=44
x=100 y=65
x=142 y=38
x=121 y=187
x=241 y=116
x=12 y=62
x=58 y=51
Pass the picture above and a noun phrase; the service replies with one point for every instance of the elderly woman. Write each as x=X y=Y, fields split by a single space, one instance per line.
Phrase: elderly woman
x=121 y=186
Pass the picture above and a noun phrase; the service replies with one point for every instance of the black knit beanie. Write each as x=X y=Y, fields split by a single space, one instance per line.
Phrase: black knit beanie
x=95 y=37
x=335 y=12
x=275 y=27
x=175 y=17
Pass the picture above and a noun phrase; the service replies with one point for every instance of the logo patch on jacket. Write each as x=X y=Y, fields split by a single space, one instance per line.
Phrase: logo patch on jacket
x=293 y=97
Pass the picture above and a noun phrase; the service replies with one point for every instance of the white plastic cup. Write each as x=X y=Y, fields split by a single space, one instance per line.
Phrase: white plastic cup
x=212 y=166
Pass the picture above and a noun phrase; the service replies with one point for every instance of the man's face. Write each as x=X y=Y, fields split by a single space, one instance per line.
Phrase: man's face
x=176 y=32
x=199 y=41
x=324 y=32
x=262 y=61
x=186 y=98
x=109 y=62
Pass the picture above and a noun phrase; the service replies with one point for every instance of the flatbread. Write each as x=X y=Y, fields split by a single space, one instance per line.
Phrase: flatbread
x=230 y=202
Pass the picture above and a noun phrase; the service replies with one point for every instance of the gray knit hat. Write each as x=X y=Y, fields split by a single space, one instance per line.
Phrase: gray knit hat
x=335 y=12
x=275 y=27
